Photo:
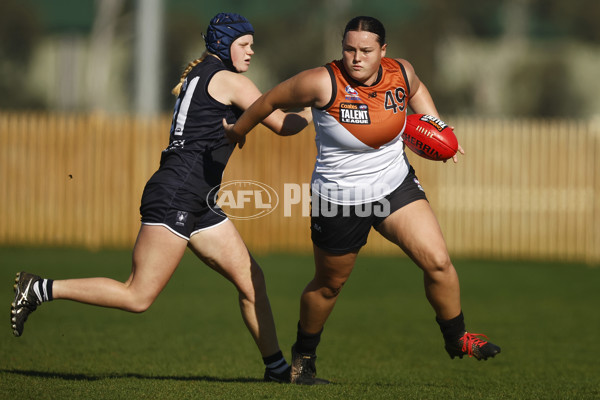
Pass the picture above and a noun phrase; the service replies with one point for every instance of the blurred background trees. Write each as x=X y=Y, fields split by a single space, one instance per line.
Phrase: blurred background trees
x=524 y=58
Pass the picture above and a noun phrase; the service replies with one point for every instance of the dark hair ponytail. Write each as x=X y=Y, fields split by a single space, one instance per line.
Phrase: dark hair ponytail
x=368 y=24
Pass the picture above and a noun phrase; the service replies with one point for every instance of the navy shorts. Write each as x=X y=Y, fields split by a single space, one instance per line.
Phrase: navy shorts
x=156 y=210
x=344 y=229
x=179 y=195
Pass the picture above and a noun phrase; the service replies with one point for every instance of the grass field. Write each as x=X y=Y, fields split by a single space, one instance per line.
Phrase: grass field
x=381 y=342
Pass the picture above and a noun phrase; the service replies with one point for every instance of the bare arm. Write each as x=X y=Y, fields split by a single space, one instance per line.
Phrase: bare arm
x=308 y=88
x=232 y=88
x=420 y=100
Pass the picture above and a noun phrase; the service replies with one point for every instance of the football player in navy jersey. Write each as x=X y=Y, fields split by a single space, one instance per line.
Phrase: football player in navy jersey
x=177 y=211
x=362 y=180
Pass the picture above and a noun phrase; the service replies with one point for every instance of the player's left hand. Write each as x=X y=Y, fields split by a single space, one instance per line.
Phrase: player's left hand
x=455 y=156
x=460 y=150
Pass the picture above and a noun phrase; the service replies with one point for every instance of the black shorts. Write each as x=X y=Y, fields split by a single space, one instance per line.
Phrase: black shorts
x=156 y=209
x=344 y=229
x=179 y=195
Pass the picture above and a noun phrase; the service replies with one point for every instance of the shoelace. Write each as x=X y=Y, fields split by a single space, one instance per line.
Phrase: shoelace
x=471 y=339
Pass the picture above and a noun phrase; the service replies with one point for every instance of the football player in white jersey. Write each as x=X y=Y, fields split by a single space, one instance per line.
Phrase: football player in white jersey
x=359 y=110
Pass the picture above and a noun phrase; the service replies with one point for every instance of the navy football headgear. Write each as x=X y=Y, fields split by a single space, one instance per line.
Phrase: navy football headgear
x=222 y=31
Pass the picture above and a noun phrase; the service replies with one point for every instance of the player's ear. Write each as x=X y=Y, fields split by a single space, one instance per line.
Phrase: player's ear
x=383 y=49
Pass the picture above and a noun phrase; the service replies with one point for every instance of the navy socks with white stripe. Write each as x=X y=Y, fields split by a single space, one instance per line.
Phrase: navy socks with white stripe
x=276 y=363
x=43 y=289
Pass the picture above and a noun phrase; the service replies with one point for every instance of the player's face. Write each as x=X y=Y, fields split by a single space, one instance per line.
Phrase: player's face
x=241 y=52
x=361 y=56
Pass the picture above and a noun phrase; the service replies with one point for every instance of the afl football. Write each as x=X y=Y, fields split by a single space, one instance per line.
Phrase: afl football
x=429 y=137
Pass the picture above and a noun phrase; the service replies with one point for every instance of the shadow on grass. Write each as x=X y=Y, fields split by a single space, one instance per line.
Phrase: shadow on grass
x=93 y=377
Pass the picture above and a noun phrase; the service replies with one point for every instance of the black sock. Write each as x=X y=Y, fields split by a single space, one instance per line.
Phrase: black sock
x=43 y=289
x=453 y=328
x=307 y=343
x=276 y=362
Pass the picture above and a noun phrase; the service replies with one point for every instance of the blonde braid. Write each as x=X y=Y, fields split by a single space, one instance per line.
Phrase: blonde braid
x=177 y=89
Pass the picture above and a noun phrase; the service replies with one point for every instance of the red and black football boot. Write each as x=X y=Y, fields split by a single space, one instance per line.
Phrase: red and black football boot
x=472 y=345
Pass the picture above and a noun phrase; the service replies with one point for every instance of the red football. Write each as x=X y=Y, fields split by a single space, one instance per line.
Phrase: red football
x=429 y=137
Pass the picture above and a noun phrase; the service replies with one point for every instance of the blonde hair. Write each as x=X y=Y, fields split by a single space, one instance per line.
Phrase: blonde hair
x=177 y=89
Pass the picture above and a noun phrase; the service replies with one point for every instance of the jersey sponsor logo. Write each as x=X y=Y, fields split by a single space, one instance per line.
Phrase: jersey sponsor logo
x=351 y=113
x=351 y=93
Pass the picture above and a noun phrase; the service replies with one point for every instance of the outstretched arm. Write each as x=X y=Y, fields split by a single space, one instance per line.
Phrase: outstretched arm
x=308 y=88
x=292 y=122
x=236 y=89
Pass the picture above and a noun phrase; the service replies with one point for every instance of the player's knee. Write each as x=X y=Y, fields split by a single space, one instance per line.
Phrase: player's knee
x=439 y=263
x=332 y=288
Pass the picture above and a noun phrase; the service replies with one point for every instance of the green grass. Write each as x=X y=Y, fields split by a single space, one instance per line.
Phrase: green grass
x=381 y=341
